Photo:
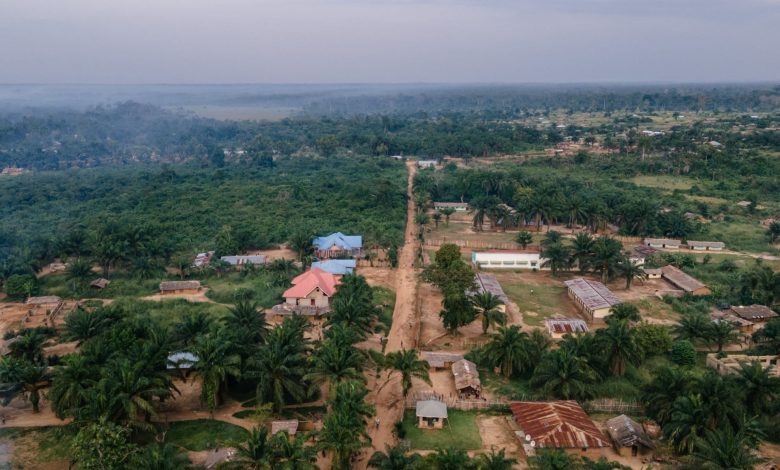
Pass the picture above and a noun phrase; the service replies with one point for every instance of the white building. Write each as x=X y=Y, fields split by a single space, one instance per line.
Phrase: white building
x=507 y=259
x=662 y=242
x=426 y=163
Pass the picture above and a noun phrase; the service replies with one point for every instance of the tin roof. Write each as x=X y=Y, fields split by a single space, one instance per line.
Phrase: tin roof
x=706 y=244
x=681 y=279
x=754 y=312
x=593 y=294
x=566 y=325
x=310 y=280
x=240 y=260
x=289 y=425
x=488 y=283
x=179 y=285
x=336 y=266
x=438 y=359
x=346 y=242
x=627 y=433
x=662 y=241
x=431 y=409
x=44 y=300
x=557 y=424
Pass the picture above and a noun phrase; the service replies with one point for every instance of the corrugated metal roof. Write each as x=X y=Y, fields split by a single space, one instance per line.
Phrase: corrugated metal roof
x=289 y=425
x=488 y=283
x=44 y=300
x=336 y=266
x=466 y=375
x=707 y=244
x=431 y=409
x=557 y=424
x=662 y=241
x=179 y=285
x=438 y=359
x=593 y=294
x=627 y=433
x=754 y=312
x=347 y=242
x=566 y=325
x=310 y=280
x=681 y=279
x=240 y=260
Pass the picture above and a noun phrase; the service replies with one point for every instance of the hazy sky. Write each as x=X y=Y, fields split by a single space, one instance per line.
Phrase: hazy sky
x=325 y=41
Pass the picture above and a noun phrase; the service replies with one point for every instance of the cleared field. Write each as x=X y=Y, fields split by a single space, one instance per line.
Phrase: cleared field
x=537 y=295
x=461 y=432
x=664 y=182
x=203 y=434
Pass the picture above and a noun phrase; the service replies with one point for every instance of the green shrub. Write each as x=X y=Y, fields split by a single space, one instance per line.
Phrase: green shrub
x=20 y=286
x=683 y=353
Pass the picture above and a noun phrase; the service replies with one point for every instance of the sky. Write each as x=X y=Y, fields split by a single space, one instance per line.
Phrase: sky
x=388 y=41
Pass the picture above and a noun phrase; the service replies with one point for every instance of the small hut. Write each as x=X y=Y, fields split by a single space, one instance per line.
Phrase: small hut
x=290 y=426
x=466 y=378
x=628 y=434
x=180 y=287
x=431 y=414
x=100 y=283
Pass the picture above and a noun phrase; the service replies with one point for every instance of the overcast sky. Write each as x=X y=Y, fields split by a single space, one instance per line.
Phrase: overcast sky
x=388 y=41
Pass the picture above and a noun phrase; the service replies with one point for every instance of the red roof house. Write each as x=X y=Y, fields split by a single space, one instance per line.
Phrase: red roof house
x=314 y=288
x=558 y=425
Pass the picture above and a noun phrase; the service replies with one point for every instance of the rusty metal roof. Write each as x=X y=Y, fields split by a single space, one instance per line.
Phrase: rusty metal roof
x=557 y=424
x=566 y=325
x=627 y=433
x=593 y=294
x=681 y=279
x=466 y=375
x=488 y=283
x=754 y=312
x=439 y=358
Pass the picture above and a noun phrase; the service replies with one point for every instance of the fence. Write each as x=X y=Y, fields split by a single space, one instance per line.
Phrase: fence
x=610 y=405
x=473 y=244
x=453 y=402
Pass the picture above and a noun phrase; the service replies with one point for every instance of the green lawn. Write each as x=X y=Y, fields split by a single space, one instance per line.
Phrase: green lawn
x=227 y=288
x=669 y=183
x=536 y=302
x=461 y=432
x=385 y=297
x=122 y=285
x=741 y=236
x=203 y=434
x=170 y=311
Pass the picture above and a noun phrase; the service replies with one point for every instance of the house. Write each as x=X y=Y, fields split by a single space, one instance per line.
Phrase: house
x=561 y=424
x=426 y=163
x=754 y=313
x=662 y=242
x=202 y=260
x=744 y=326
x=12 y=171
x=290 y=426
x=628 y=434
x=559 y=327
x=506 y=259
x=100 y=283
x=732 y=364
x=653 y=273
x=684 y=281
x=338 y=245
x=641 y=253
x=311 y=292
x=180 y=287
x=715 y=143
x=336 y=266
x=706 y=246
x=456 y=206
x=242 y=260
x=466 y=377
x=182 y=360
x=592 y=297
x=744 y=203
x=486 y=282
x=440 y=360
x=430 y=414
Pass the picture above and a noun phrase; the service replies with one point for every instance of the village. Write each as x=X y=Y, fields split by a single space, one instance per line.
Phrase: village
x=453 y=402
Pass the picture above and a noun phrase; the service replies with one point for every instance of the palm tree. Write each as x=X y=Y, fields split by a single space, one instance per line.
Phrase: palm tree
x=191 y=327
x=29 y=345
x=161 y=457
x=552 y=459
x=524 y=238
x=342 y=438
x=70 y=384
x=582 y=246
x=630 y=271
x=623 y=312
x=31 y=378
x=692 y=327
x=660 y=394
x=687 y=423
x=279 y=368
x=449 y=459
x=556 y=256
x=300 y=243
x=723 y=449
x=248 y=321
x=436 y=216
x=334 y=363
x=508 y=349
x=447 y=212
x=487 y=304
x=619 y=346
x=563 y=375
x=408 y=365
x=495 y=461
x=82 y=326
x=394 y=458
x=256 y=453
x=78 y=273
x=135 y=391
x=421 y=219
x=721 y=333
x=294 y=454
x=216 y=362
x=606 y=253
x=759 y=388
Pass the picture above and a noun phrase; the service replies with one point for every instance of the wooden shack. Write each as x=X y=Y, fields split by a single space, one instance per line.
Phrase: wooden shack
x=179 y=287
x=628 y=435
x=466 y=376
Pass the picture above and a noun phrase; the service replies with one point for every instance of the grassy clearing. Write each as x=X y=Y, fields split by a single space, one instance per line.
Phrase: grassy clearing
x=170 y=311
x=386 y=298
x=536 y=302
x=229 y=287
x=655 y=308
x=203 y=434
x=664 y=182
x=122 y=285
x=462 y=432
x=511 y=389
x=741 y=236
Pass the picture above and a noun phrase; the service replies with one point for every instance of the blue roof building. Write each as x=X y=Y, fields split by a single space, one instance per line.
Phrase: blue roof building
x=337 y=244
x=336 y=266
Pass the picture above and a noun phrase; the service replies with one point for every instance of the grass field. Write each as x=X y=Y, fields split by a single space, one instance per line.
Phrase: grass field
x=461 y=432
x=655 y=308
x=203 y=434
x=536 y=301
x=229 y=287
x=170 y=311
x=386 y=298
x=669 y=183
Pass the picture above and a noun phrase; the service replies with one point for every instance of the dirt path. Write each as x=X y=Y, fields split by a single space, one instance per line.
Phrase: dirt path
x=387 y=396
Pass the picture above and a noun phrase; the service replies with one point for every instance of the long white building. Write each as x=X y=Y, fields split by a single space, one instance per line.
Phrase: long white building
x=507 y=259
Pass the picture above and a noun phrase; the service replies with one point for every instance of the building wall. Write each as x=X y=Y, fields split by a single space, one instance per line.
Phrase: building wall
x=180 y=291
x=423 y=424
x=507 y=260
x=320 y=299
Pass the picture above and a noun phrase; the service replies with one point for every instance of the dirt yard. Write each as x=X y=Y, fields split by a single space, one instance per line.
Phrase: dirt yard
x=198 y=297
x=280 y=253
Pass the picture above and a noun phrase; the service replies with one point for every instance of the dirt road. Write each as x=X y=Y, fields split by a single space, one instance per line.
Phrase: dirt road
x=387 y=396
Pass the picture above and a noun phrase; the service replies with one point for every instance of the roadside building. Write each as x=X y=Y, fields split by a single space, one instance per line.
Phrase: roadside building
x=426 y=163
x=338 y=245
x=487 y=282
x=560 y=327
x=243 y=260
x=628 y=435
x=440 y=360
x=456 y=206
x=337 y=266
x=641 y=253
x=202 y=260
x=466 y=377
x=180 y=287
x=100 y=283
x=430 y=414
x=310 y=294
x=559 y=424
x=663 y=243
x=754 y=313
x=705 y=246
x=653 y=273
x=507 y=259
x=593 y=298
x=684 y=281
